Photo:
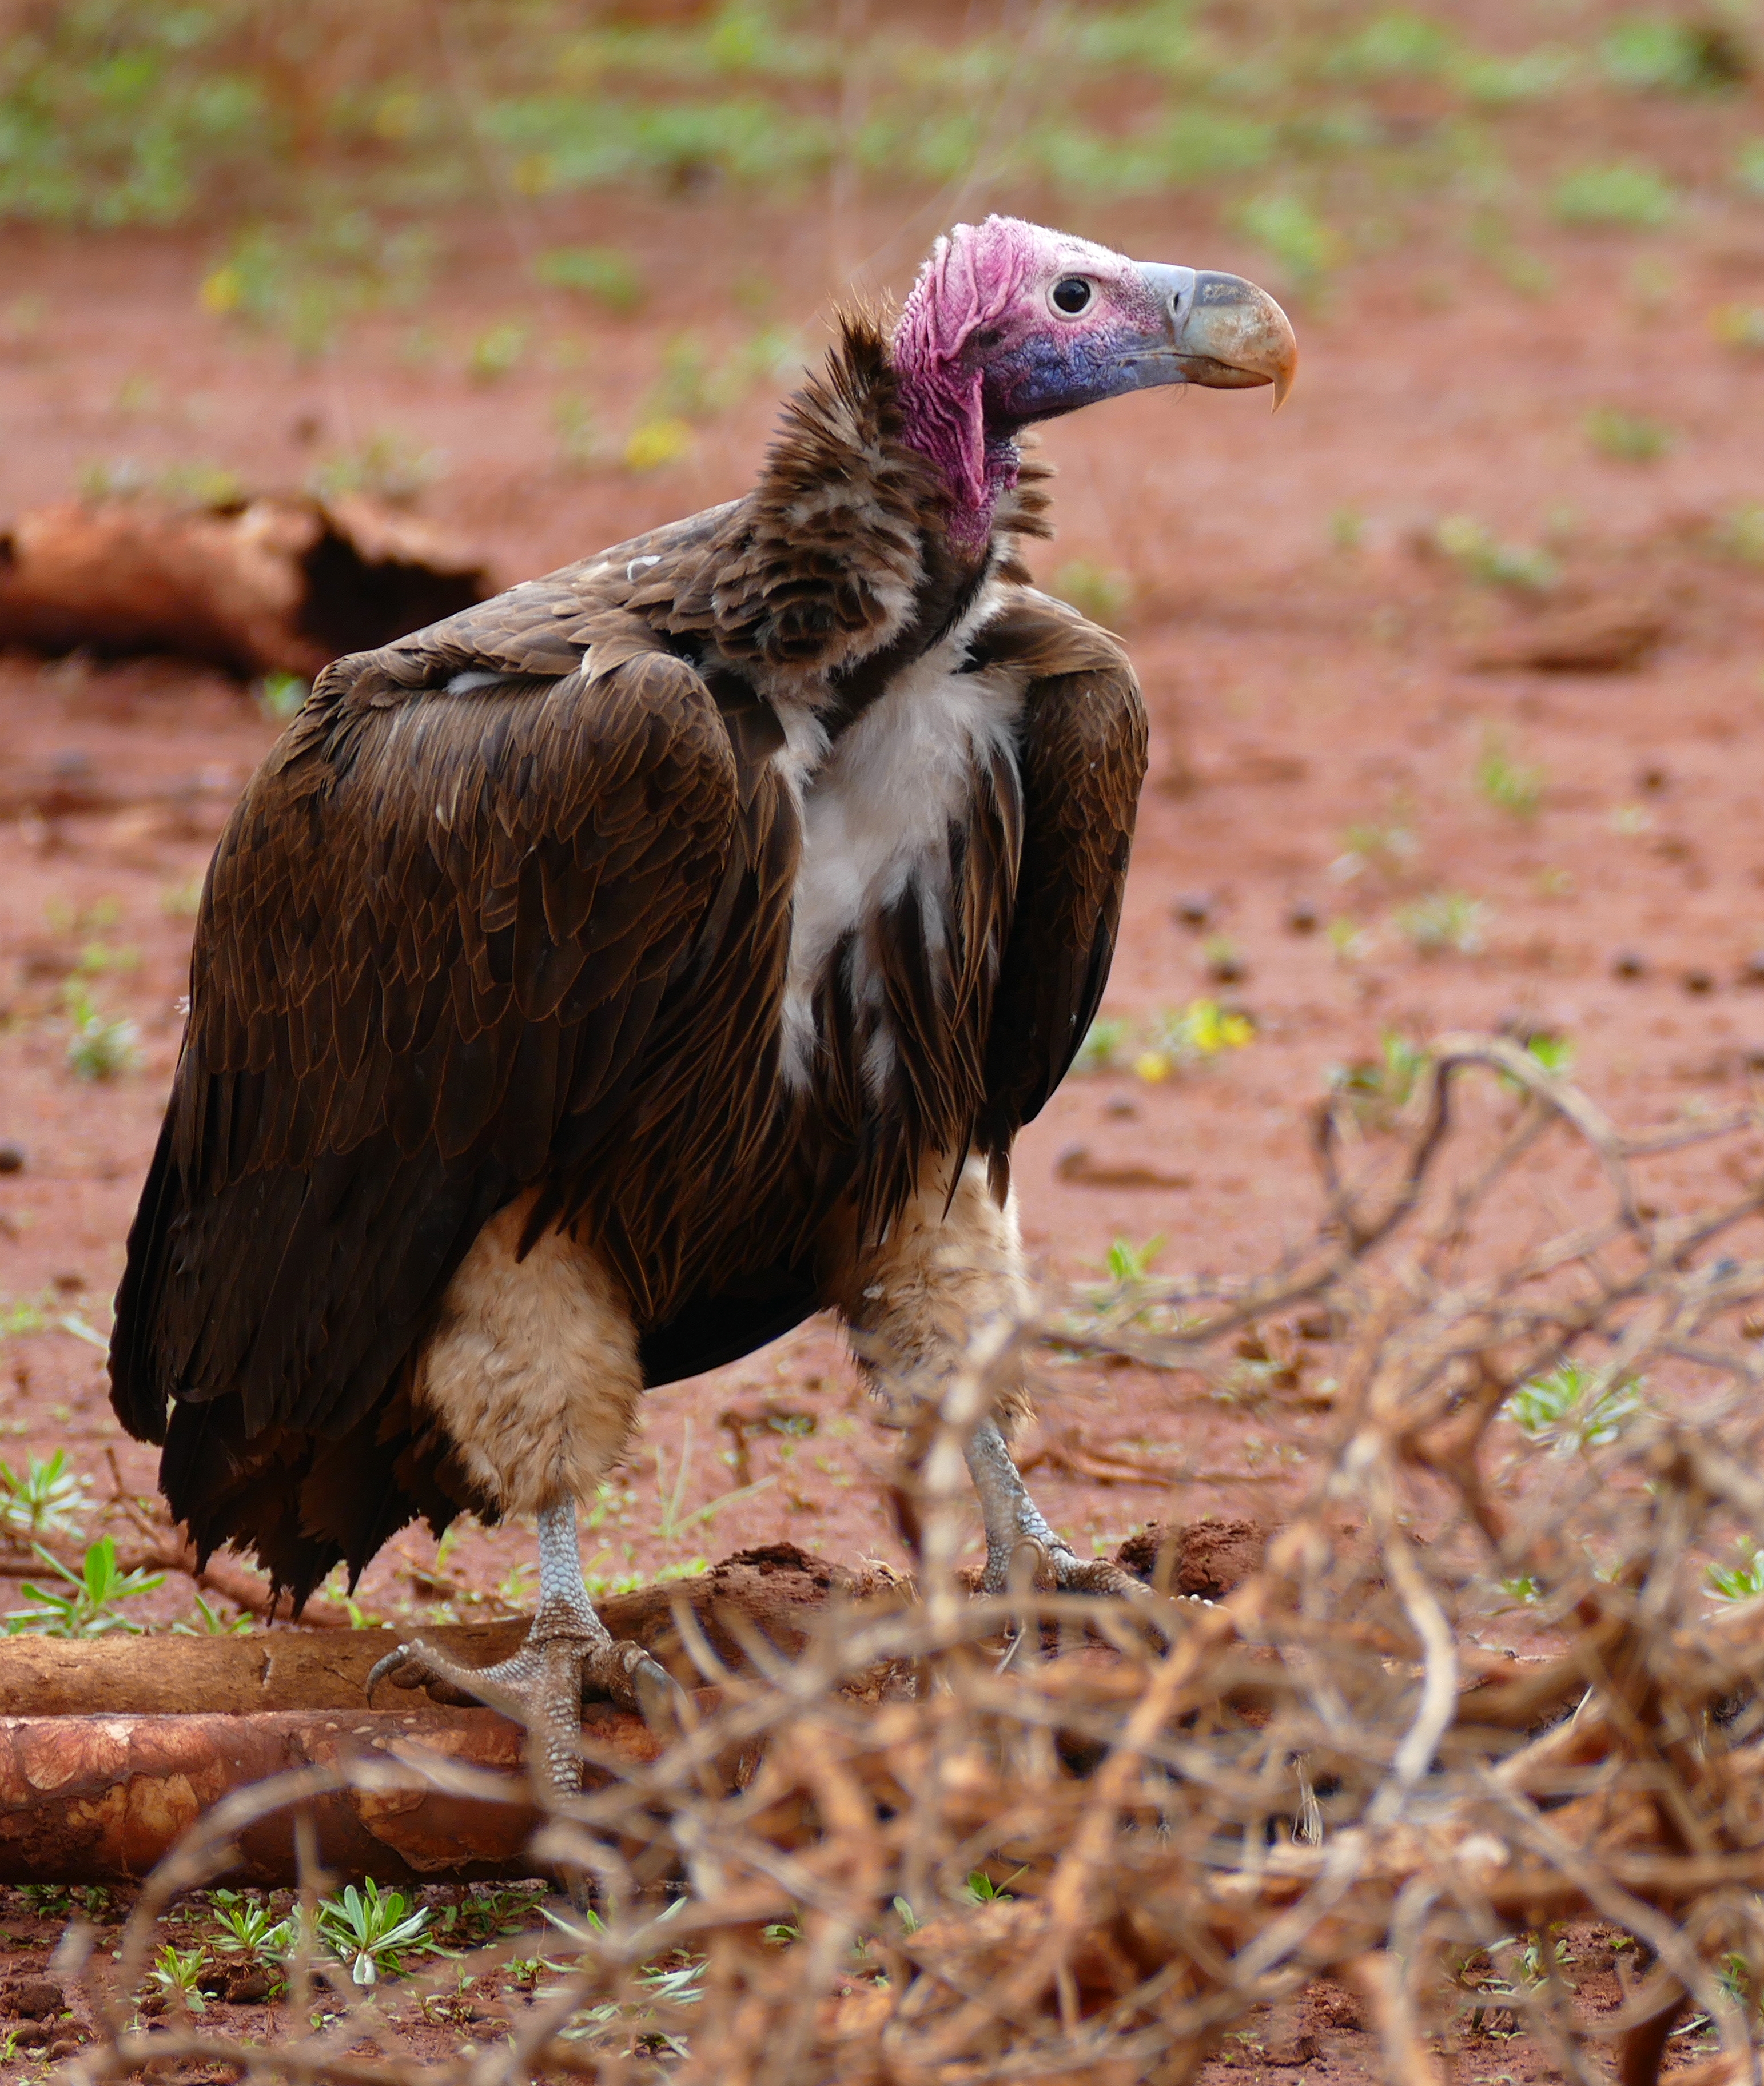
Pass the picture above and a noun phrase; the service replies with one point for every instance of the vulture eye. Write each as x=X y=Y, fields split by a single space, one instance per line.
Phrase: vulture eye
x=1071 y=294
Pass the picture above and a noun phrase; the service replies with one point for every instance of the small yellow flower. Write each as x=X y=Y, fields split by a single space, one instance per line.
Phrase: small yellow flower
x=222 y=291
x=657 y=443
x=1151 y=1066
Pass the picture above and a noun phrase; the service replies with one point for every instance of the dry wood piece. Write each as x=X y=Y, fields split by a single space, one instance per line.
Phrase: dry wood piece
x=280 y=584
x=101 y=1799
x=1601 y=637
x=771 y=1590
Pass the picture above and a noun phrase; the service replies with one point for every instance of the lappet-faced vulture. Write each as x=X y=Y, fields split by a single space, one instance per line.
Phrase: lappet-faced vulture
x=590 y=986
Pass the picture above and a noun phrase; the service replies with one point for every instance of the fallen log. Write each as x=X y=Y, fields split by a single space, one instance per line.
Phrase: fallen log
x=102 y=1799
x=773 y=1589
x=282 y=583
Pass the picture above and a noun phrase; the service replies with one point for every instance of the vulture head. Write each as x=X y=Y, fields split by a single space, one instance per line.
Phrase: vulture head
x=1010 y=323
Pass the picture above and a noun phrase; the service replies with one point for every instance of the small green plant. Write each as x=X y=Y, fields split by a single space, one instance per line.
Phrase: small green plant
x=373 y=1930
x=908 y=1919
x=1739 y=534
x=45 y=1498
x=1627 y=193
x=672 y=1523
x=183 y=901
x=581 y=445
x=1376 y=1090
x=497 y=352
x=1127 y=1263
x=1739 y=326
x=87 y=1602
x=306 y=287
x=1345 y=528
x=247 y=1929
x=1562 y=1409
x=1102 y=1044
x=1513 y=786
x=980 y=1889
x=1743 y=1581
x=607 y=274
x=1627 y=437
x=385 y=466
x=1101 y=592
x=191 y=482
x=1388 y=850
x=1479 y=555
x=279 y=696
x=100 y=1046
x=177 y=1971
x=1443 y=921
x=1655 y=53
x=1555 y=1053
x=210 y=1622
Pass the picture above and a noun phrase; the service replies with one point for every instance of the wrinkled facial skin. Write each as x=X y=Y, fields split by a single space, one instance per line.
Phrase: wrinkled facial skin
x=1044 y=362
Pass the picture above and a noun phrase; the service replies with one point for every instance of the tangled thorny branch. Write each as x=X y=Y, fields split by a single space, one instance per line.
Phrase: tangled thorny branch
x=1033 y=1836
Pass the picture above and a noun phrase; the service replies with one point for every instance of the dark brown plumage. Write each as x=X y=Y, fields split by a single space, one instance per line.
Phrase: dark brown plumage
x=535 y=932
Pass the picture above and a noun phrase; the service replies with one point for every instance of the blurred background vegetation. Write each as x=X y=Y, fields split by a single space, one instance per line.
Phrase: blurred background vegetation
x=321 y=147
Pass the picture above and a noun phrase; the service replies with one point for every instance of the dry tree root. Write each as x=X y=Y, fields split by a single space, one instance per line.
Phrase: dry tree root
x=954 y=1839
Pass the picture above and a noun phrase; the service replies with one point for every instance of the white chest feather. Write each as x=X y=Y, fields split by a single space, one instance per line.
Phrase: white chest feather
x=876 y=813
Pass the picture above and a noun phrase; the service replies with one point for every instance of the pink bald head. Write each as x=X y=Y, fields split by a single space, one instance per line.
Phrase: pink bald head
x=1011 y=323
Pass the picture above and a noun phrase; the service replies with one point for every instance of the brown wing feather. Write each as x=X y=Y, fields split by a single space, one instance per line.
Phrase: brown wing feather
x=437 y=935
x=1083 y=759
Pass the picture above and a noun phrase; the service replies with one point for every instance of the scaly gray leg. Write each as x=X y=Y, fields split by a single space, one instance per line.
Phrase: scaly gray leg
x=1012 y=1518
x=568 y=1648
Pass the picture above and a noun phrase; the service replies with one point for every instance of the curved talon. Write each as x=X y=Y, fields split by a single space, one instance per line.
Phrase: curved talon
x=661 y=1701
x=382 y=1667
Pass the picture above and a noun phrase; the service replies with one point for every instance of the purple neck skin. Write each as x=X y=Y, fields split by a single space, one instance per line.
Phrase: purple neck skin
x=967 y=286
x=942 y=418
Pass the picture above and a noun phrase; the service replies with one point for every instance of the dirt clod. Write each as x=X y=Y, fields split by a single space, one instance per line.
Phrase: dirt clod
x=34 y=1996
x=1208 y=1558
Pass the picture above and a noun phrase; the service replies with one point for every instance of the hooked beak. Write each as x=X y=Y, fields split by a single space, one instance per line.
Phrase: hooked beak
x=1224 y=334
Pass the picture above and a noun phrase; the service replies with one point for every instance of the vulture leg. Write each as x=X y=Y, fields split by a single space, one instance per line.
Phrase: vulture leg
x=568 y=1648
x=950 y=1263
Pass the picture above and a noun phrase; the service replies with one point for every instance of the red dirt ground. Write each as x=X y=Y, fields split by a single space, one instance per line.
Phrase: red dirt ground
x=1299 y=687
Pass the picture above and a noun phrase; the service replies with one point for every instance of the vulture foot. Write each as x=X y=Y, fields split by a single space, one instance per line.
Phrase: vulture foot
x=568 y=1650
x=1017 y=1531
x=542 y=1687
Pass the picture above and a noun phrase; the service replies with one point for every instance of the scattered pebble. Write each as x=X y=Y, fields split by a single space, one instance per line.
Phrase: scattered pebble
x=1752 y=971
x=1226 y=967
x=1629 y=963
x=1194 y=909
x=66 y=2045
x=1653 y=779
x=1699 y=981
x=1302 y=918
x=11 y=1158
x=69 y=1282
x=1121 y=1106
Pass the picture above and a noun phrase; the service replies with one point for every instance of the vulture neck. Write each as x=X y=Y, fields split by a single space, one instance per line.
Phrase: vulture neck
x=943 y=416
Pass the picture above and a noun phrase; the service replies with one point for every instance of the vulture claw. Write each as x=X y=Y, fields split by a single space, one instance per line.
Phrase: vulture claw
x=541 y=1687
